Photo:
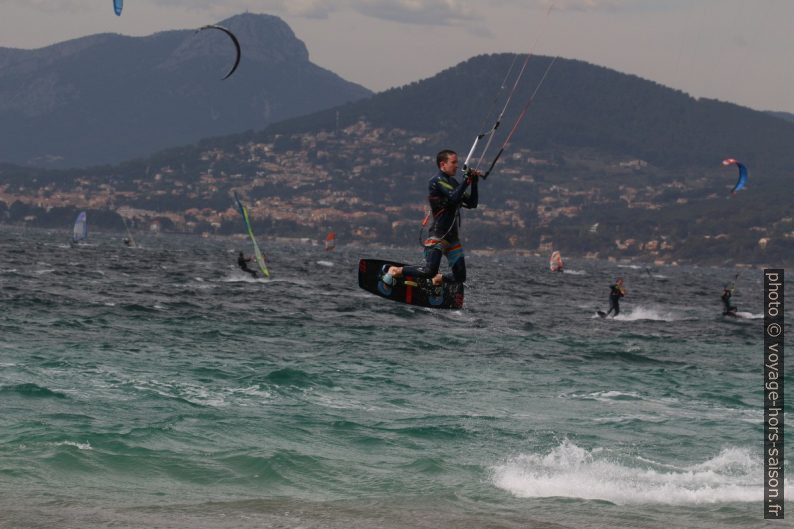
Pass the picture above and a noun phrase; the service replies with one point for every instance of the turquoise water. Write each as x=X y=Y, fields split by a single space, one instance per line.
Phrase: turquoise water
x=160 y=387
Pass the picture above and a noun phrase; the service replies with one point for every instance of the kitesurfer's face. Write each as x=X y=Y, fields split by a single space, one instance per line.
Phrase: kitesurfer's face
x=450 y=166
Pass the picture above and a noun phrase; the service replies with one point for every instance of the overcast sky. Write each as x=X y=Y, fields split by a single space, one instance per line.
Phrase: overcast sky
x=733 y=50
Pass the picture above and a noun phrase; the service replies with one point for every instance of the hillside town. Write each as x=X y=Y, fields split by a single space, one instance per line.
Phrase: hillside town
x=368 y=184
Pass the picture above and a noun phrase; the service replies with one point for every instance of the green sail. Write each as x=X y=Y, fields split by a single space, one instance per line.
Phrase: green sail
x=260 y=260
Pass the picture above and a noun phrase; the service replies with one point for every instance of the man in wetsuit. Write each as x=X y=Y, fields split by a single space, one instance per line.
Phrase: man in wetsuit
x=616 y=292
x=242 y=262
x=446 y=197
x=729 y=310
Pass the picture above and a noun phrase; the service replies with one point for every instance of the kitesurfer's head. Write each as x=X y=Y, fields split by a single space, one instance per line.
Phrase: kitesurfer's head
x=447 y=161
x=619 y=281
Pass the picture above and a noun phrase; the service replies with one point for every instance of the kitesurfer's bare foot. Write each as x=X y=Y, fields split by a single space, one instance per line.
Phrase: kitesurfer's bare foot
x=437 y=279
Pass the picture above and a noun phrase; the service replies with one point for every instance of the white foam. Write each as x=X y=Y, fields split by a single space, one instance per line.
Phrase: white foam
x=750 y=315
x=574 y=472
x=624 y=419
x=613 y=394
x=646 y=313
x=604 y=395
x=256 y=394
x=203 y=395
x=242 y=278
x=79 y=446
x=575 y=272
x=325 y=263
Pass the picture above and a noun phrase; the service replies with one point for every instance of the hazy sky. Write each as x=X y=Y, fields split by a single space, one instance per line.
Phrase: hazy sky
x=733 y=50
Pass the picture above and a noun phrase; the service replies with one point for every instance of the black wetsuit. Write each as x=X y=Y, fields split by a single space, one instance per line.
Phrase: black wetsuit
x=242 y=262
x=616 y=292
x=726 y=301
x=446 y=197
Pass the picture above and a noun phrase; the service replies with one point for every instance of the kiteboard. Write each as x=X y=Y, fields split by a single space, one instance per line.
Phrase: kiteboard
x=602 y=313
x=417 y=291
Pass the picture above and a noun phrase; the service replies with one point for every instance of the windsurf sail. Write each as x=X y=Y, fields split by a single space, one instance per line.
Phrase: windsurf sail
x=740 y=184
x=555 y=261
x=330 y=241
x=260 y=260
x=80 y=231
x=129 y=235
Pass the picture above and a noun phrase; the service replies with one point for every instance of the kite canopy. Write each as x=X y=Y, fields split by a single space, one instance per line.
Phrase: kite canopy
x=118 y=5
x=740 y=184
x=234 y=40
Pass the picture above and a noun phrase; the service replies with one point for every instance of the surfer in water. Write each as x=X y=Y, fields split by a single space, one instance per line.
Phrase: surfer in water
x=727 y=293
x=446 y=197
x=242 y=262
x=616 y=292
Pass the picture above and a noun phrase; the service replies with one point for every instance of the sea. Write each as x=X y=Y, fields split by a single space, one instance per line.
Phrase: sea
x=161 y=387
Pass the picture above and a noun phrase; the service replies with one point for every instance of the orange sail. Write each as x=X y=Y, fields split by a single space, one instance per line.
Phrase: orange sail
x=330 y=241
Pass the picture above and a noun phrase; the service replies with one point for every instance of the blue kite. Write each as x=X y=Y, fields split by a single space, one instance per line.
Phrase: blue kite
x=742 y=174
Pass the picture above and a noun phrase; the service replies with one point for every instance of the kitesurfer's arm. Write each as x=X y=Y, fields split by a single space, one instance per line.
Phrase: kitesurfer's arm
x=451 y=196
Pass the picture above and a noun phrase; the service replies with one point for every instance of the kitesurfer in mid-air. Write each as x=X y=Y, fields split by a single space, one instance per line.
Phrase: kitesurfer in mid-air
x=729 y=310
x=616 y=292
x=446 y=197
x=242 y=262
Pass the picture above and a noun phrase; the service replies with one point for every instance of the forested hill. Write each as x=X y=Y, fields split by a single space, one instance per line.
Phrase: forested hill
x=579 y=105
x=108 y=98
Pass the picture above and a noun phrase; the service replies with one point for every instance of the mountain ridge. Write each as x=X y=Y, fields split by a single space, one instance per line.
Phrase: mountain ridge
x=105 y=98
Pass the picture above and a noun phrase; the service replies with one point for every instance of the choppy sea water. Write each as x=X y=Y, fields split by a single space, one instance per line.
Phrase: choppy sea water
x=161 y=387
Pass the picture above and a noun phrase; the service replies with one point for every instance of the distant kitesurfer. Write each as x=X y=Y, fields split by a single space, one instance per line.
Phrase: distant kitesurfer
x=242 y=262
x=127 y=241
x=616 y=292
x=729 y=310
x=446 y=197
